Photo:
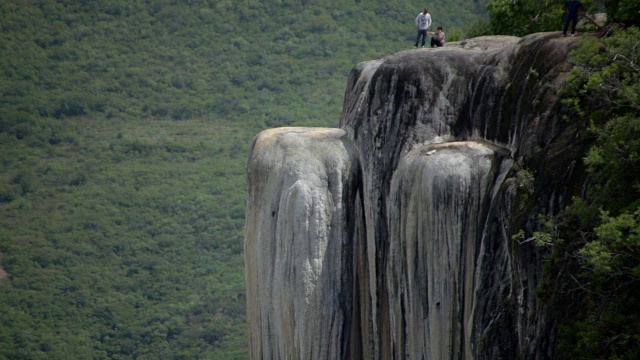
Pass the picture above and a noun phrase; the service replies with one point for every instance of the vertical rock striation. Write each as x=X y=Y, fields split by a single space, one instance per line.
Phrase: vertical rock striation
x=391 y=238
x=438 y=205
x=303 y=194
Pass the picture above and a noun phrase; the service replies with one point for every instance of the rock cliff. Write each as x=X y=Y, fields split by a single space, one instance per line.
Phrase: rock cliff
x=391 y=237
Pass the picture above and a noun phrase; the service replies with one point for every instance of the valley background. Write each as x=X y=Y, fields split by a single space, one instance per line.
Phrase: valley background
x=124 y=133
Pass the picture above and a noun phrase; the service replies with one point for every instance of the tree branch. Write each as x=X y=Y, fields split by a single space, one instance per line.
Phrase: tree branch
x=627 y=62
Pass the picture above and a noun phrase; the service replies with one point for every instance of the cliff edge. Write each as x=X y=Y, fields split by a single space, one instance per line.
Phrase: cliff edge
x=391 y=237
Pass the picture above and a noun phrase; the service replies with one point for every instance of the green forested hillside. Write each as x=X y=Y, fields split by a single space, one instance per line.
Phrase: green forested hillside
x=124 y=133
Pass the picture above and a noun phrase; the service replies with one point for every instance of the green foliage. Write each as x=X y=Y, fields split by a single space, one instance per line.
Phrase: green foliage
x=625 y=10
x=612 y=336
x=604 y=226
x=481 y=27
x=525 y=181
x=540 y=238
x=604 y=86
x=113 y=252
x=615 y=161
x=455 y=34
x=522 y=17
x=594 y=244
x=124 y=133
x=617 y=242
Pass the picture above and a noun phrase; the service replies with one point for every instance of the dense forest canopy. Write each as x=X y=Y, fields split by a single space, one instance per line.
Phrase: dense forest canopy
x=124 y=134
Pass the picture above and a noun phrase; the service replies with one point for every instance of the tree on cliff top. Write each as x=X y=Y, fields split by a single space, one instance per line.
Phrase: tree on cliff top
x=603 y=227
x=521 y=17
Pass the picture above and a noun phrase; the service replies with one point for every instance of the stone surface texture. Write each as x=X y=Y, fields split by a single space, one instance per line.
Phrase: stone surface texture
x=391 y=237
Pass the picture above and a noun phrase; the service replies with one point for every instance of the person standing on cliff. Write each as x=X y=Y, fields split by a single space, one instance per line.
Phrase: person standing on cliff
x=572 y=8
x=423 y=23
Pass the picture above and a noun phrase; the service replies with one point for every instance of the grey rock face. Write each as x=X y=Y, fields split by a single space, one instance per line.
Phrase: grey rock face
x=437 y=211
x=391 y=238
x=299 y=244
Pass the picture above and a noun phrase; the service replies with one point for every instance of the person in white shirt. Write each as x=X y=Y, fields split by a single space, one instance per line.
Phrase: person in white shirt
x=423 y=22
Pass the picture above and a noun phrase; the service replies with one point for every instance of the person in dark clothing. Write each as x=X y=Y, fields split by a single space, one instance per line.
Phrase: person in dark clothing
x=572 y=8
x=438 y=37
x=613 y=26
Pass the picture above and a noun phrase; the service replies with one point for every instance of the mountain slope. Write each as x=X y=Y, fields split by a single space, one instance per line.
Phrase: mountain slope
x=124 y=133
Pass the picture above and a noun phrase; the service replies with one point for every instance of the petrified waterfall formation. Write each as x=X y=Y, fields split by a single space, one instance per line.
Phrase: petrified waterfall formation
x=391 y=237
x=299 y=243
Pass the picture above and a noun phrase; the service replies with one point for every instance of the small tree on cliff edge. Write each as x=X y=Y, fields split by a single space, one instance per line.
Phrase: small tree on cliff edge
x=522 y=17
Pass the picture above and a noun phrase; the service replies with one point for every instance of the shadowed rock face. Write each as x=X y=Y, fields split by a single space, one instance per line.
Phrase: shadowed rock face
x=391 y=237
x=437 y=210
